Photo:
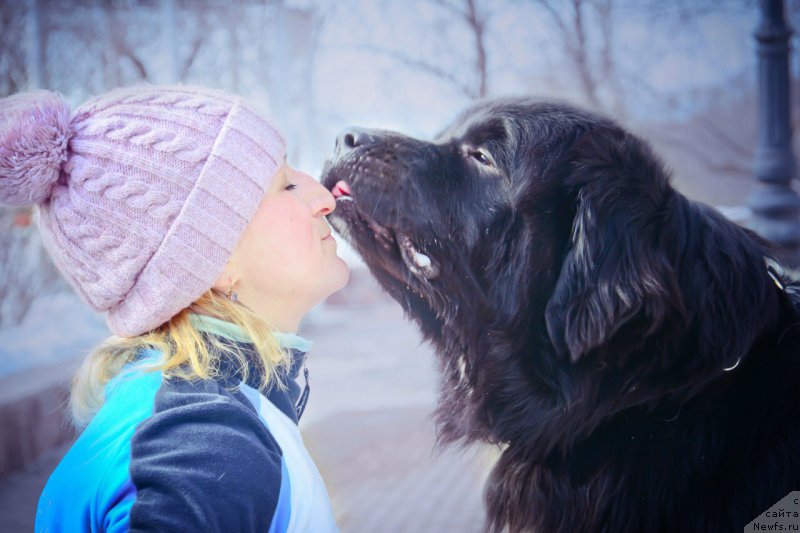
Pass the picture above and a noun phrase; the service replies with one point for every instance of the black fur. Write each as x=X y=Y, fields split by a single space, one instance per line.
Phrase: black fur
x=583 y=314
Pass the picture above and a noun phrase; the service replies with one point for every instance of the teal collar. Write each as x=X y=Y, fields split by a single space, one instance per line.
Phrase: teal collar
x=288 y=341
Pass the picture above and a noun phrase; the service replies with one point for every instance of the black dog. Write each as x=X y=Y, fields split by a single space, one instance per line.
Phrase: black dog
x=630 y=349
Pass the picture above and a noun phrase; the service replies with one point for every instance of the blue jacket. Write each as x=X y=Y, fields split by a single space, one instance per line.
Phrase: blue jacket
x=176 y=455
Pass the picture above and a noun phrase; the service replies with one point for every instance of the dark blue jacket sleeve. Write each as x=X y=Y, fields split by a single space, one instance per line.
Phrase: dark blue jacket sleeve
x=203 y=461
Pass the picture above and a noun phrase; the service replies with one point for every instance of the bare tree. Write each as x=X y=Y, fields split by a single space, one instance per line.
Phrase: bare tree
x=118 y=40
x=25 y=269
x=475 y=19
x=593 y=63
x=13 y=71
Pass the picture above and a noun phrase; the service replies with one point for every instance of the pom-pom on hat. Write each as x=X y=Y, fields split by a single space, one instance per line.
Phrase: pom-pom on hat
x=141 y=193
x=34 y=131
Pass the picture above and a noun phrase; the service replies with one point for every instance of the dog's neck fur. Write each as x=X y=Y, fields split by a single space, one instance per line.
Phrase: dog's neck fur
x=700 y=241
x=550 y=434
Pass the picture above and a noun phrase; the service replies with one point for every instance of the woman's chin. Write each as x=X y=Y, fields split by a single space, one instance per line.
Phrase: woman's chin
x=342 y=273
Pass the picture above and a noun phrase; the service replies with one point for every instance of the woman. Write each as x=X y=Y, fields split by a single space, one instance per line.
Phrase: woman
x=172 y=210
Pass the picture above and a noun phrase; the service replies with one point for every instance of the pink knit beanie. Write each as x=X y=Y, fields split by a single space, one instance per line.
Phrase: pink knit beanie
x=142 y=193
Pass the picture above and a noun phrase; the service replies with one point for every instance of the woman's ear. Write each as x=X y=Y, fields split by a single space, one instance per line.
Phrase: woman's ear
x=227 y=278
x=221 y=284
x=616 y=269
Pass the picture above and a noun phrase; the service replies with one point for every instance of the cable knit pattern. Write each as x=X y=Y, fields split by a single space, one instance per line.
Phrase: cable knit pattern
x=138 y=194
x=157 y=187
x=147 y=136
x=200 y=99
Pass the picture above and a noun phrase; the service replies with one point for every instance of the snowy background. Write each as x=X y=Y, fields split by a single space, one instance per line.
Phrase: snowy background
x=681 y=73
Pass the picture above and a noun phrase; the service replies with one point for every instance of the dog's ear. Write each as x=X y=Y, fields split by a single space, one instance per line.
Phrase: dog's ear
x=616 y=271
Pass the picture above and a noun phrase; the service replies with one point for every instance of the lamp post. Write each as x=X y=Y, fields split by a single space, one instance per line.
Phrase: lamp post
x=775 y=205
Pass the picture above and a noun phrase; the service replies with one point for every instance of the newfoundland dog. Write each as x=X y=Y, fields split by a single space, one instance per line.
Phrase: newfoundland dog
x=635 y=354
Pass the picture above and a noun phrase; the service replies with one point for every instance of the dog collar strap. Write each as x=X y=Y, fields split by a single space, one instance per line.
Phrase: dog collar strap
x=775 y=277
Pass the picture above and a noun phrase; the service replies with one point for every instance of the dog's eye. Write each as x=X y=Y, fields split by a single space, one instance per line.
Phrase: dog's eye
x=481 y=157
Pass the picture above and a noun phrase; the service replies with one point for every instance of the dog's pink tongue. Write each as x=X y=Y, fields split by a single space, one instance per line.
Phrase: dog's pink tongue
x=341 y=189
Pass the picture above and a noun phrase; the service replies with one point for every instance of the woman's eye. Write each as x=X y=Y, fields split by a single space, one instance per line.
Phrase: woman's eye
x=481 y=157
x=290 y=187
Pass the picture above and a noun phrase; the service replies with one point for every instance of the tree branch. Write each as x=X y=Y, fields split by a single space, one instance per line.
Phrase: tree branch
x=478 y=30
x=423 y=66
x=452 y=8
x=121 y=48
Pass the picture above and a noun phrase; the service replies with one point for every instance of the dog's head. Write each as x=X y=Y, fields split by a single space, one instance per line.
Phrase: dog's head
x=519 y=209
x=562 y=279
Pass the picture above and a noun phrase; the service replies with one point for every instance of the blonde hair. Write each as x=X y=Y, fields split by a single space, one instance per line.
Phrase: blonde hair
x=185 y=353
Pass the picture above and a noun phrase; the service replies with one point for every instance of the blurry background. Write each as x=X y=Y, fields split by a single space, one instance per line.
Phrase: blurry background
x=681 y=73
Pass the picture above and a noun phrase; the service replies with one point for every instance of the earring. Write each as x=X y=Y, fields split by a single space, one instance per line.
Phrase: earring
x=232 y=295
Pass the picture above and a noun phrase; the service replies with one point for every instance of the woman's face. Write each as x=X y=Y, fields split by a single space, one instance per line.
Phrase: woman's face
x=286 y=262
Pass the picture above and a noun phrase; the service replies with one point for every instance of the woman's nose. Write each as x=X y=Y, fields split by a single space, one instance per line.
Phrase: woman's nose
x=329 y=202
x=323 y=202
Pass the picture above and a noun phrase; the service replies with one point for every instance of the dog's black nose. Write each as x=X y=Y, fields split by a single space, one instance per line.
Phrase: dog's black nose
x=351 y=138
